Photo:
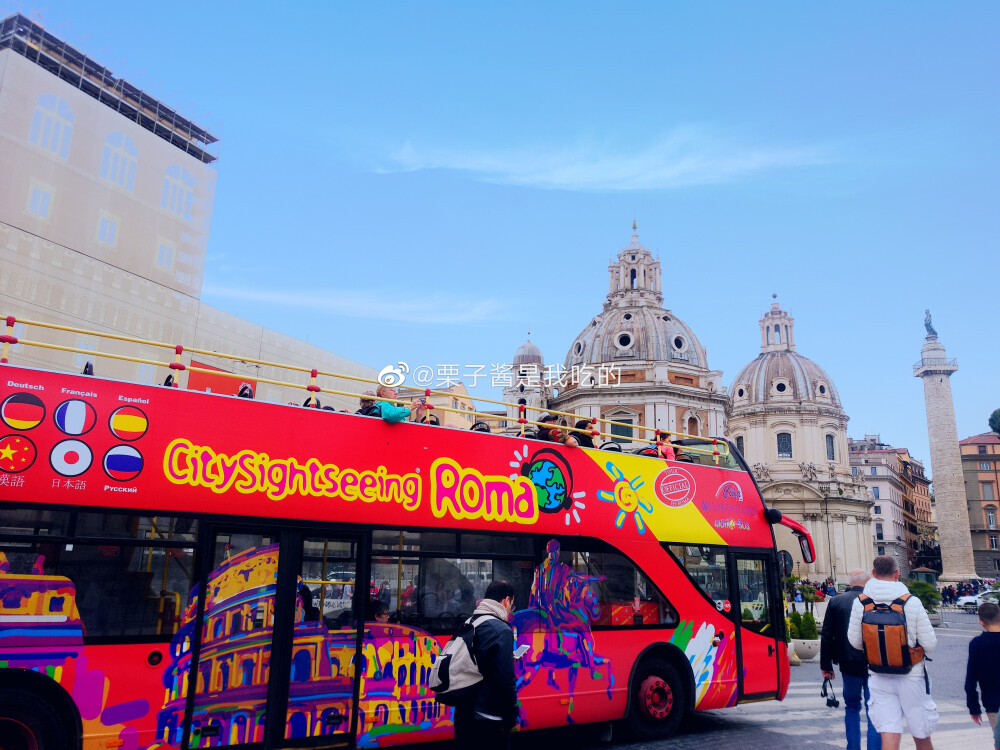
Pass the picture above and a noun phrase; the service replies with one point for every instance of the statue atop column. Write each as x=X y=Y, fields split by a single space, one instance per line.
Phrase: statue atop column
x=927 y=323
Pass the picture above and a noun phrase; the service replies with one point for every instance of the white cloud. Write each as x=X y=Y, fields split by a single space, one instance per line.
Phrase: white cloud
x=687 y=156
x=435 y=308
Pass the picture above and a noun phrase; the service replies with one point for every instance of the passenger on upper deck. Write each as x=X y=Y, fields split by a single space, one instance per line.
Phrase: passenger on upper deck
x=368 y=407
x=392 y=413
x=583 y=436
x=480 y=427
x=555 y=436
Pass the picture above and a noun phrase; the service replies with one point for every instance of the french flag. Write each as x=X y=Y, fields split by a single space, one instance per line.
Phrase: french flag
x=75 y=417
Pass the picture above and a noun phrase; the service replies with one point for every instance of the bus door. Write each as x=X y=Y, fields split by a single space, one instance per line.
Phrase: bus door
x=278 y=637
x=753 y=586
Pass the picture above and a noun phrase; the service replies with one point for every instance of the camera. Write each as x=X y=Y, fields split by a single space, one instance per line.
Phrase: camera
x=828 y=693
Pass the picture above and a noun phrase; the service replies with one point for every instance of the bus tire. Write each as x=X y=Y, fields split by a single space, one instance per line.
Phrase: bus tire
x=30 y=723
x=657 y=700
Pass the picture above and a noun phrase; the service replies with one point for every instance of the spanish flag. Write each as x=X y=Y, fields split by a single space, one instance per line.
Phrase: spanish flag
x=128 y=423
x=22 y=411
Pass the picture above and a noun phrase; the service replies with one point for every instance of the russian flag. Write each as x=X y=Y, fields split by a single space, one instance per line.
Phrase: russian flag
x=75 y=417
x=122 y=463
x=128 y=423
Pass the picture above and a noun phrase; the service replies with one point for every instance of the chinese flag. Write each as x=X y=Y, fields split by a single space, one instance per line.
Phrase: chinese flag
x=17 y=453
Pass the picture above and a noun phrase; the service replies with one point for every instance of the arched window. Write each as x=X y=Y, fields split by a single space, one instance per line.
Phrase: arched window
x=777 y=334
x=634 y=279
x=52 y=125
x=178 y=191
x=784 y=445
x=120 y=160
x=692 y=426
x=831 y=454
x=991 y=517
x=739 y=444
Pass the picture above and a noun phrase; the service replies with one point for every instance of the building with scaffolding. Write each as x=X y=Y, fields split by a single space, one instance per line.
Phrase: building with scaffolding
x=105 y=211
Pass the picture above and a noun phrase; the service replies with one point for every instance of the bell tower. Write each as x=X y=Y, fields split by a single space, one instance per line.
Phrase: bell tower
x=777 y=329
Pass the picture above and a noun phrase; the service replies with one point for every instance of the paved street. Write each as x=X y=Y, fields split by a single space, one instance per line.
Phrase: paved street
x=803 y=719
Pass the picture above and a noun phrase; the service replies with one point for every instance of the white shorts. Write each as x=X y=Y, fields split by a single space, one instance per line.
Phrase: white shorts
x=894 y=696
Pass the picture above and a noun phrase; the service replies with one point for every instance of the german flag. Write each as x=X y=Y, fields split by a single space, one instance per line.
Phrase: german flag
x=128 y=423
x=22 y=411
x=17 y=453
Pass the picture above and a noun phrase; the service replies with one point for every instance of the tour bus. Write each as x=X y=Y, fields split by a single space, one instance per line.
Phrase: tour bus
x=183 y=569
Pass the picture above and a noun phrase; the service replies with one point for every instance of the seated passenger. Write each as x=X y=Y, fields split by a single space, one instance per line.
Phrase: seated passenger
x=380 y=611
x=432 y=420
x=547 y=433
x=583 y=436
x=368 y=407
x=392 y=413
x=480 y=427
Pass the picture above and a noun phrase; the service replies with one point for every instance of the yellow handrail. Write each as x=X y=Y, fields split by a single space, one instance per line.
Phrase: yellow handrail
x=718 y=448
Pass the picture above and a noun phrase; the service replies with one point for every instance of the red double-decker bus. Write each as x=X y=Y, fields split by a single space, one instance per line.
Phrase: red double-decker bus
x=181 y=569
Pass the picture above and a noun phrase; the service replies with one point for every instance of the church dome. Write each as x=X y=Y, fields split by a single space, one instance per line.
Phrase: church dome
x=633 y=325
x=528 y=354
x=779 y=374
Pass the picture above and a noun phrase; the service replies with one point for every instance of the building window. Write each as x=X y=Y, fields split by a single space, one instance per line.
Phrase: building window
x=107 y=230
x=52 y=125
x=831 y=454
x=881 y=550
x=991 y=518
x=40 y=200
x=878 y=532
x=784 y=445
x=165 y=256
x=877 y=510
x=984 y=465
x=874 y=471
x=146 y=373
x=120 y=160
x=875 y=492
x=739 y=444
x=178 y=191
x=994 y=541
x=982 y=449
x=987 y=490
x=82 y=358
x=692 y=427
x=854 y=470
x=620 y=432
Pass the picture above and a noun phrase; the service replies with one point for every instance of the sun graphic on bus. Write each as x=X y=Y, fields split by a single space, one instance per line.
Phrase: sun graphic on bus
x=553 y=480
x=626 y=494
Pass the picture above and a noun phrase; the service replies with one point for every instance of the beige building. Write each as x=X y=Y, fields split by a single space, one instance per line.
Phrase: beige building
x=981 y=471
x=635 y=363
x=786 y=418
x=453 y=406
x=106 y=201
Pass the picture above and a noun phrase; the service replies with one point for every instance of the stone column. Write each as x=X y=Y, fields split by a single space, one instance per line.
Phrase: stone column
x=935 y=369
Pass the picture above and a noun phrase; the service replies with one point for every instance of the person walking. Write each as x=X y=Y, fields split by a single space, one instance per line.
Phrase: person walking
x=485 y=718
x=983 y=670
x=895 y=696
x=835 y=648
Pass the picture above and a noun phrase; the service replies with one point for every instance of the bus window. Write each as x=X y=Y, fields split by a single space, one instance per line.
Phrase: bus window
x=125 y=588
x=752 y=580
x=626 y=597
x=707 y=568
x=414 y=541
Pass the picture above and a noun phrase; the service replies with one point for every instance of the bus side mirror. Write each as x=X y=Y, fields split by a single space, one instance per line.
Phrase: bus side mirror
x=772 y=515
x=807 y=552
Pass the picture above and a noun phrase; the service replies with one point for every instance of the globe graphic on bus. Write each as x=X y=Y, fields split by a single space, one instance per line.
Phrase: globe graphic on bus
x=550 y=484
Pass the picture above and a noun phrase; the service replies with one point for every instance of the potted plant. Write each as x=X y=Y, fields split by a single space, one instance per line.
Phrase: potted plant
x=807 y=643
x=929 y=597
x=791 y=631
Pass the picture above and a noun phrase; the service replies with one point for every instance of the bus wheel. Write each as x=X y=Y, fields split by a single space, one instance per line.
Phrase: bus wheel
x=657 y=700
x=28 y=723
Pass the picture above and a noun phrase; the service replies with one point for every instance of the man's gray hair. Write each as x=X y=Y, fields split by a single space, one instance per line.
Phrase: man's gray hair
x=858 y=577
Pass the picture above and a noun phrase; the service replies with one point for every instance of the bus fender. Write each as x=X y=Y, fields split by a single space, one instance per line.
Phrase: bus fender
x=48 y=690
x=675 y=657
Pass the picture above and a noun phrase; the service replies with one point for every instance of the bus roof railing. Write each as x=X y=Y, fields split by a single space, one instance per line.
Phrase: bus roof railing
x=664 y=440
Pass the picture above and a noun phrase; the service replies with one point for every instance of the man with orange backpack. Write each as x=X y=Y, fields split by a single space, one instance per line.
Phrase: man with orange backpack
x=893 y=630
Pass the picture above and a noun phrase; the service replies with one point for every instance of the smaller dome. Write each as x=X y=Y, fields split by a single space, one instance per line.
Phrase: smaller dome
x=528 y=354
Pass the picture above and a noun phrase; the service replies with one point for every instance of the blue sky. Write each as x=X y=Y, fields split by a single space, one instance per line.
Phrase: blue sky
x=422 y=181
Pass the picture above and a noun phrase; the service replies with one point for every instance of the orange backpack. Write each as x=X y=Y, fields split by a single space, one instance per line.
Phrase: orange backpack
x=883 y=630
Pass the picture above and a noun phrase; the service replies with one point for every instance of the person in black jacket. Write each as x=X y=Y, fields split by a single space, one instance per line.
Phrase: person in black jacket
x=983 y=670
x=485 y=719
x=834 y=647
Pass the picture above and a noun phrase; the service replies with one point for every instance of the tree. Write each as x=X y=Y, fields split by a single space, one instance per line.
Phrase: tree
x=808 y=630
x=995 y=421
x=925 y=592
